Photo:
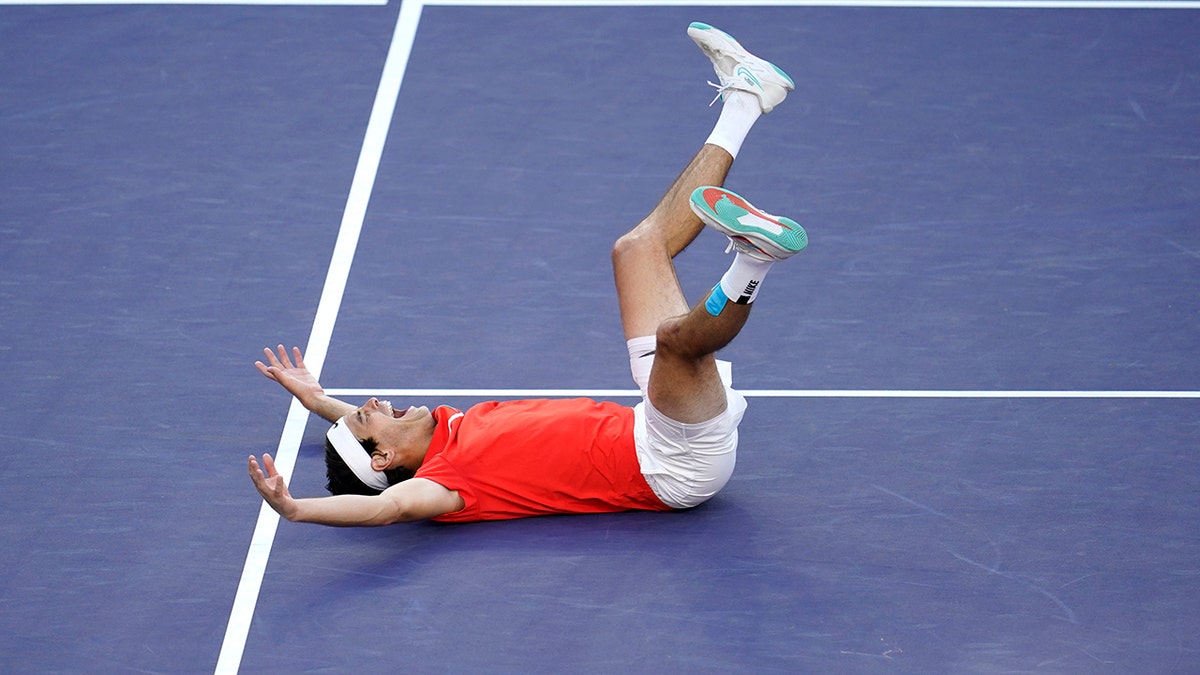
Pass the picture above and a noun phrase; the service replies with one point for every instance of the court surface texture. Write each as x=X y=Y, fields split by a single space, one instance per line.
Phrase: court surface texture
x=972 y=438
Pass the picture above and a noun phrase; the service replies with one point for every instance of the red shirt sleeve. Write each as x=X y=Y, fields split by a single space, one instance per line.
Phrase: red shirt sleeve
x=439 y=470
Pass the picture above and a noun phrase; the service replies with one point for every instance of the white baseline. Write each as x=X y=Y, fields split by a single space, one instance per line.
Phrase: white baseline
x=769 y=393
x=237 y=630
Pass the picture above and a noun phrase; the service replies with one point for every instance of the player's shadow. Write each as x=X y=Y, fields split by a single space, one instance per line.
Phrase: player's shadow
x=705 y=565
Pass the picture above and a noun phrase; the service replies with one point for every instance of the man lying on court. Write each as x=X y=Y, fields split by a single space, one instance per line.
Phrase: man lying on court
x=513 y=459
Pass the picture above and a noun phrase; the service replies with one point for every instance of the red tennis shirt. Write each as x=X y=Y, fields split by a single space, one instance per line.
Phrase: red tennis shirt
x=514 y=459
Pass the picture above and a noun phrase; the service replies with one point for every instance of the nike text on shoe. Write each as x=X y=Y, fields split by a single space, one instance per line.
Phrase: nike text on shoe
x=751 y=231
x=739 y=69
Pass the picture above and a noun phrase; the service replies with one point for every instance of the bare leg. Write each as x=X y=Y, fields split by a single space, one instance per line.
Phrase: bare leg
x=647 y=288
x=684 y=383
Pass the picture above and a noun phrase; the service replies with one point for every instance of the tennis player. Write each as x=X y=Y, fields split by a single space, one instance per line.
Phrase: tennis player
x=501 y=460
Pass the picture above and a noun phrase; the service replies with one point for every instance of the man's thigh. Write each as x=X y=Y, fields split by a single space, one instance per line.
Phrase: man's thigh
x=648 y=291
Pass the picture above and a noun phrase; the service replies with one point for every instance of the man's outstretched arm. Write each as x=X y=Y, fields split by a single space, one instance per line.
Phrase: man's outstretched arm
x=411 y=500
x=300 y=383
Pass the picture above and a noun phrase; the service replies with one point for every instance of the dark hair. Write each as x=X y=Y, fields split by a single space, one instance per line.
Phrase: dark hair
x=340 y=480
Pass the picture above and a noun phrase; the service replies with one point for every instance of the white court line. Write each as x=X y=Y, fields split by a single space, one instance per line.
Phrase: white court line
x=322 y=331
x=949 y=393
x=250 y=584
x=767 y=393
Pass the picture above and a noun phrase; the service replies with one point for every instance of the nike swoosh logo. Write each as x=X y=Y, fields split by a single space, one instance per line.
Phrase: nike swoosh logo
x=745 y=72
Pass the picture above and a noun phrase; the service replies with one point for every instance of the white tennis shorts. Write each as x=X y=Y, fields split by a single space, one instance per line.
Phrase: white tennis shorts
x=685 y=464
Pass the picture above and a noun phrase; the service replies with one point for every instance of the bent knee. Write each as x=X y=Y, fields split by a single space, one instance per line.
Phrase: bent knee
x=669 y=337
x=623 y=247
x=676 y=339
x=634 y=244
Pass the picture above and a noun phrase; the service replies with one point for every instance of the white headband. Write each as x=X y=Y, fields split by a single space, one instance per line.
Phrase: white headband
x=355 y=455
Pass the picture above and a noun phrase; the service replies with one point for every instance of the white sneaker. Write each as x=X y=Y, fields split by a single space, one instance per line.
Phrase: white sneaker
x=739 y=69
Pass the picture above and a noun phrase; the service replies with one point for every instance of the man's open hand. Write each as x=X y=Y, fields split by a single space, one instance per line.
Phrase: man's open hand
x=293 y=376
x=272 y=486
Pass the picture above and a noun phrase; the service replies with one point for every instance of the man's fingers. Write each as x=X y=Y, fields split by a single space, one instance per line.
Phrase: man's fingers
x=255 y=472
x=283 y=356
x=269 y=465
x=262 y=368
x=278 y=358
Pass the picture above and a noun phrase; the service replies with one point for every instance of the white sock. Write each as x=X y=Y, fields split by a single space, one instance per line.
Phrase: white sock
x=745 y=275
x=738 y=114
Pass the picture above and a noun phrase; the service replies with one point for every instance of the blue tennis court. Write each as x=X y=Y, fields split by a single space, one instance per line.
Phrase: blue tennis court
x=972 y=437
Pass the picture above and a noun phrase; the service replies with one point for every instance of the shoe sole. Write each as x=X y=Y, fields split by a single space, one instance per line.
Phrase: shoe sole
x=730 y=214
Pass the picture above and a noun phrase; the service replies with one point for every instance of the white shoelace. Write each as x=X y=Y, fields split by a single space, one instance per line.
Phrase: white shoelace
x=721 y=89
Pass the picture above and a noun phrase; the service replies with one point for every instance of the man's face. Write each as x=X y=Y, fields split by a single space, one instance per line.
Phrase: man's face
x=378 y=420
